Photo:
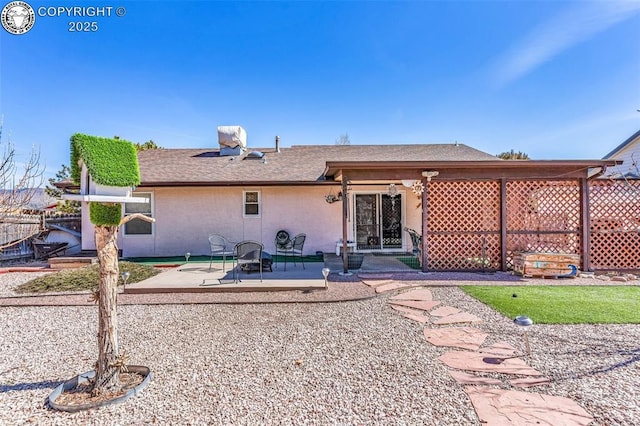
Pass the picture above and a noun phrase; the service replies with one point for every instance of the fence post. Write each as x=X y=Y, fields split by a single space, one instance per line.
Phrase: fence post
x=585 y=225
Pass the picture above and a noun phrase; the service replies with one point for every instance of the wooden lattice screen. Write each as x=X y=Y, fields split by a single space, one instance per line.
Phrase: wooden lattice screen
x=614 y=236
x=463 y=225
x=542 y=216
x=464 y=230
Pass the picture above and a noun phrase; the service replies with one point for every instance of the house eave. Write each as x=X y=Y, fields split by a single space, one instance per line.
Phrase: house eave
x=623 y=145
x=104 y=198
x=484 y=169
x=160 y=184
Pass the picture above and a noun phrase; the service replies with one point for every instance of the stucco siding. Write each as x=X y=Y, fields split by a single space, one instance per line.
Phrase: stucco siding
x=186 y=216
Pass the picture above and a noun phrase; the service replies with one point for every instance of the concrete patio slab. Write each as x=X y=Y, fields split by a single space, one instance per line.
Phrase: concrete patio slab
x=196 y=277
x=476 y=361
x=456 y=337
x=498 y=407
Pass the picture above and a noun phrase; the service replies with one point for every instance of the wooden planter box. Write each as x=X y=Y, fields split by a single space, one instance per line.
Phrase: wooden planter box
x=535 y=264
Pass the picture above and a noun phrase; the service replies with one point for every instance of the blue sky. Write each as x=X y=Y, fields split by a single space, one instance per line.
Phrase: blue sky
x=558 y=80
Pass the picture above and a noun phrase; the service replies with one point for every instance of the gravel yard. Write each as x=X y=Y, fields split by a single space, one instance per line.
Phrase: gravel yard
x=327 y=363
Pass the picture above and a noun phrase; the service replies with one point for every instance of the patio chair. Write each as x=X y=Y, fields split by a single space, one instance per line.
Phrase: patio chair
x=416 y=241
x=283 y=243
x=247 y=252
x=295 y=249
x=220 y=246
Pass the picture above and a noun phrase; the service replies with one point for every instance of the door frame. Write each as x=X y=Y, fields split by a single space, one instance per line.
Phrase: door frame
x=378 y=193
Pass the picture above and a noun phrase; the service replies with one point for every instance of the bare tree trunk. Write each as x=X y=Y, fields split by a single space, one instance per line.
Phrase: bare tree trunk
x=109 y=361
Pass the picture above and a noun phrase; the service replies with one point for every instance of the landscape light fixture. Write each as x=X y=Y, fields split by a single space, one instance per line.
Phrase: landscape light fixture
x=125 y=277
x=325 y=274
x=524 y=322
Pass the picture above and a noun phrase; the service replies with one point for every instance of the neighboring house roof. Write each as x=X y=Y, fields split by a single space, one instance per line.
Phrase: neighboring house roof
x=297 y=164
x=110 y=162
x=633 y=138
x=629 y=152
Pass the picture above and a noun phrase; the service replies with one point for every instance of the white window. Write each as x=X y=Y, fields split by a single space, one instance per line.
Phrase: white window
x=251 y=204
x=138 y=226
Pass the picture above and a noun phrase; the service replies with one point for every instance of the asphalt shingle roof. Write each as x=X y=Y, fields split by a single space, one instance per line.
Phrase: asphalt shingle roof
x=299 y=164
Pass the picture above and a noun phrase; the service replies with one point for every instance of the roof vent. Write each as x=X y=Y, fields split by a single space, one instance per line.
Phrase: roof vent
x=254 y=155
x=232 y=140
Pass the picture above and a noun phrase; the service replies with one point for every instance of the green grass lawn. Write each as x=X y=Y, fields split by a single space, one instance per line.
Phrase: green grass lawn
x=563 y=304
x=83 y=278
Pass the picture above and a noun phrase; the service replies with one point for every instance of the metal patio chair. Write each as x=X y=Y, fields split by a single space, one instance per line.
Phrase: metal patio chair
x=247 y=252
x=283 y=244
x=295 y=248
x=220 y=246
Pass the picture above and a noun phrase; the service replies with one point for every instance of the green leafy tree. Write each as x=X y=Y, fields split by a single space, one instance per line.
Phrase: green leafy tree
x=64 y=206
x=512 y=155
x=150 y=144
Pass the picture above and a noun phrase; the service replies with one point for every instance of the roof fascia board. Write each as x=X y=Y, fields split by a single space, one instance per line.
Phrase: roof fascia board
x=623 y=145
x=537 y=169
x=235 y=183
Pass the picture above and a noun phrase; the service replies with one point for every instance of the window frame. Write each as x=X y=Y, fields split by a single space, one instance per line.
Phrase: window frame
x=150 y=196
x=257 y=203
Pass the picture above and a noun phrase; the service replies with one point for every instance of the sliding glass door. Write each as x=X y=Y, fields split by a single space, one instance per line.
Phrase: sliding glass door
x=378 y=221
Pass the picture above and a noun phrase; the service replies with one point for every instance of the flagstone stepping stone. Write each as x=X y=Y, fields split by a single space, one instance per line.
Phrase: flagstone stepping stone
x=391 y=286
x=477 y=361
x=419 y=318
x=407 y=310
x=376 y=277
x=462 y=317
x=510 y=407
x=376 y=283
x=457 y=337
x=421 y=294
x=444 y=311
x=471 y=379
x=529 y=382
x=499 y=348
x=424 y=305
